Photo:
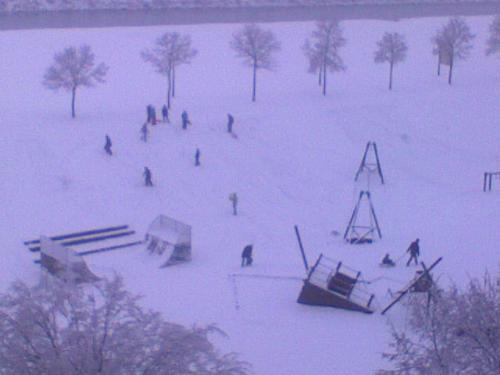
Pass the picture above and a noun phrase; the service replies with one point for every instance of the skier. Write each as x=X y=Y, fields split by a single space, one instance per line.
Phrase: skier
x=107 y=146
x=387 y=261
x=185 y=120
x=233 y=197
x=144 y=132
x=230 y=121
x=147 y=177
x=246 y=256
x=414 y=251
x=197 y=157
x=164 y=114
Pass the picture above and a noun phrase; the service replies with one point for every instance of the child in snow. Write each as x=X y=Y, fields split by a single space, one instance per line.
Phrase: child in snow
x=107 y=145
x=230 y=121
x=144 y=132
x=185 y=120
x=233 y=197
x=197 y=158
x=246 y=256
x=147 y=177
x=164 y=114
x=387 y=261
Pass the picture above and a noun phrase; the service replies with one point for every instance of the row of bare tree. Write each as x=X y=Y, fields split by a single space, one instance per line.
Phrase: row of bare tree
x=73 y=68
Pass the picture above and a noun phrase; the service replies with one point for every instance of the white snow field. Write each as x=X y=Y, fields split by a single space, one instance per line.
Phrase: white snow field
x=293 y=162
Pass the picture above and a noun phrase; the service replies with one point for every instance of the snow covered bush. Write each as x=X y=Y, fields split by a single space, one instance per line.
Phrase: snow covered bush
x=457 y=333
x=494 y=39
x=63 y=329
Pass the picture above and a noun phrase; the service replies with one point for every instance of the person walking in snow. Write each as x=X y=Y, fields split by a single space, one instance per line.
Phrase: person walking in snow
x=153 y=115
x=246 y=256
x=149 y=111
x=233 y=197
x=414 y=251
x=107 y=145
x=230 y=122
x=147 y=177
x=185 y=120
x=164 y=114
x=197 y=157
x=144 y=132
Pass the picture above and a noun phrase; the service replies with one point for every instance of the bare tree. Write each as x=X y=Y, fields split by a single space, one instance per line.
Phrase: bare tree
x=458 y=333
x=63 y=329
x=256 y=47
x=494 y=39
x=391 y=48
x=73 y=68
x=323 y=50
x=452 y=42
x=171 y=50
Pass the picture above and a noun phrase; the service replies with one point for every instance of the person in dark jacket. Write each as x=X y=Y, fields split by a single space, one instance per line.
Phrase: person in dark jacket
x=230 y=122
x=153 y=115
x=414 y=251
x=147 y=177
x=246 y=256
x=185 y=120
x=197 y=157
x=164 y=113
x=148 y=113
x=387 y=261
x=107 y=145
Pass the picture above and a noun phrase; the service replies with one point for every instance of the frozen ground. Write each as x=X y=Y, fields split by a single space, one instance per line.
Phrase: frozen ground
x=293 y=163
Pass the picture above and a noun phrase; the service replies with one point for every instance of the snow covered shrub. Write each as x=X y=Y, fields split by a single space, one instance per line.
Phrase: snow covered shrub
x=494 y=39
x=458 y=333
x=63 y=329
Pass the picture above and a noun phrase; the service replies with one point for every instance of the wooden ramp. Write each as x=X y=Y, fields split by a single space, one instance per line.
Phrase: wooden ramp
x=330 y=283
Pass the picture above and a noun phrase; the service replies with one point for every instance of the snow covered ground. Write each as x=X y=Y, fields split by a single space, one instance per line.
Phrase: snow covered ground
x=293 y=163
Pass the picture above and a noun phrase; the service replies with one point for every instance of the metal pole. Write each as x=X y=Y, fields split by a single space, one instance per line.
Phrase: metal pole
x=306 y=265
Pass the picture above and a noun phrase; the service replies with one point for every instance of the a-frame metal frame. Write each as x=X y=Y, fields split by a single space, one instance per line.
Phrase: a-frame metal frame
x=362 y=233
x=424 y=274
x=370 y=167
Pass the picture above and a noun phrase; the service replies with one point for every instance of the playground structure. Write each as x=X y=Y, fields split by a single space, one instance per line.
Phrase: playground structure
x=85 y=242
x=370 y=163
x=421 y=283
x=63 y=262
x=488 y=180
x=331 y=283
x=361 y=230
x=169 y=235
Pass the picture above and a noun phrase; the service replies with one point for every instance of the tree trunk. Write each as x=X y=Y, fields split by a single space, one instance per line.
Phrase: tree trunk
x=173 y=81
x=254 y=81
x=73 y=97
x=324 y=79
x=451 y=71
x=390 y=75
x=439 y=64
x=169 y=87
x=320 y=80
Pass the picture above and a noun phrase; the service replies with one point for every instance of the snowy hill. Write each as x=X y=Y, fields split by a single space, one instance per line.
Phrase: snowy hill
x=293 y=163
